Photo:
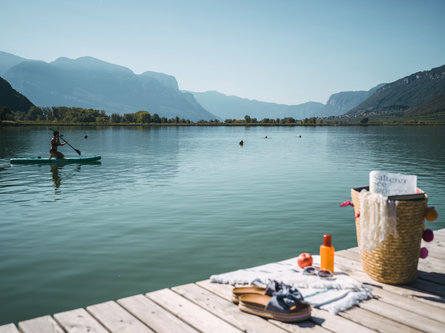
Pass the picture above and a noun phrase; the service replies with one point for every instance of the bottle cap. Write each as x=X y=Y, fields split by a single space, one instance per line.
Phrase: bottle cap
x=327 y=240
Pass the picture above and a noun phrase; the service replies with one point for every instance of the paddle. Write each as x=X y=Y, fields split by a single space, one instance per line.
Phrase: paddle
x=61 y=136
x=77 y=150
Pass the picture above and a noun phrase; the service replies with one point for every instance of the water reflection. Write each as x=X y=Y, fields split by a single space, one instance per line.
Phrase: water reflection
x=56 y=178
x=58 y=175
x=409 y=150
x=397 y=149
x=142 y=155
x=20 y=141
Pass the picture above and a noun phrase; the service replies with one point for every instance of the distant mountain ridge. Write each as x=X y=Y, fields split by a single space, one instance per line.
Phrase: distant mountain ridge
x=342 y=102
x=8 y=60
x=233 y=107
x=406 y=96
x=91 y=83
x=419 y=95
x=12 y=99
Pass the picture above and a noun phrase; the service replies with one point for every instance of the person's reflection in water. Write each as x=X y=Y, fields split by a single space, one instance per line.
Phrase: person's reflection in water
x=57 y=178
x=55 y=172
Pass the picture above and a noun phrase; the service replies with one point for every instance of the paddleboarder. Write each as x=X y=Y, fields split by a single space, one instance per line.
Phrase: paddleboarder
x=55 y=142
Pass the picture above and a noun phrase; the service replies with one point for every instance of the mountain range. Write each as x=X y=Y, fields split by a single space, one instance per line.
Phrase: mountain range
x=416 y=94
x=91 y=83
x=233 y=107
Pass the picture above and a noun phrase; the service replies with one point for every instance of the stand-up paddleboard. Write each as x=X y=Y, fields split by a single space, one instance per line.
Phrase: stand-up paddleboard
x=67 y=160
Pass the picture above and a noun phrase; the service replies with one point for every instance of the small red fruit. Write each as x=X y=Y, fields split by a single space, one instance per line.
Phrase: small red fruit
x=304 y=259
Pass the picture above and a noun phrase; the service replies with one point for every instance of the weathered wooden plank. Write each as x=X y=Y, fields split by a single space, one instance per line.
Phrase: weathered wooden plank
x=430 y=287
x=337 y=323
x=189 y=312
x=353 y=268
x=435 y=250
x=351 y=254
x=438 y=240
x=375 y=321
x=116 y=319
x=410 y=304
x=155 y=317
x=41 y=324
x=437 y=264
x=9 y=328
x=432 y=277
x=304 y=326
x=429 y=266
x=222 y=290
x=225 y=309
x=351 y=249
x=440 y=232
x=225 y=291
x=323 y=320
x=78 y=320
x=403 y=316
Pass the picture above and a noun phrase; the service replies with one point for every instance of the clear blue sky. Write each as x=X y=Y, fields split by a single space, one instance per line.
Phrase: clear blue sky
x=284 y=51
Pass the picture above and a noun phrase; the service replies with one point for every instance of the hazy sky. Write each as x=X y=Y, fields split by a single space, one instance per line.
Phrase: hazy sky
x=280 y=51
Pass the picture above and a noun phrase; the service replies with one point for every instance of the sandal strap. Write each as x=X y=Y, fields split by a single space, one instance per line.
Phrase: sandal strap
x=284 y=299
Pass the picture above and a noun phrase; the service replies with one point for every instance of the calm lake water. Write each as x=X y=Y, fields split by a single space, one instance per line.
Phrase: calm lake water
x=169 y=206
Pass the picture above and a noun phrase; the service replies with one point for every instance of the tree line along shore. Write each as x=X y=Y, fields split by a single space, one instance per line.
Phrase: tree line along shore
x=78 y=116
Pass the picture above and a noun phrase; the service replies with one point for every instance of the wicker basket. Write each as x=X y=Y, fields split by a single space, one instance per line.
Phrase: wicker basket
x=395 y=261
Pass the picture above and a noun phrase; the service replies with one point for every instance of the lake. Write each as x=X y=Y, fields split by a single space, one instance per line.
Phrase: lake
x=173 y=205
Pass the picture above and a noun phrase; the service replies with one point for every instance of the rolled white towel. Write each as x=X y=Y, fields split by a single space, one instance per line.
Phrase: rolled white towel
x=378 y=219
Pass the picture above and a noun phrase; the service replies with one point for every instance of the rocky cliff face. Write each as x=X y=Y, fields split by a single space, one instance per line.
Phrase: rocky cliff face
x=342 y=102
x=167 y=81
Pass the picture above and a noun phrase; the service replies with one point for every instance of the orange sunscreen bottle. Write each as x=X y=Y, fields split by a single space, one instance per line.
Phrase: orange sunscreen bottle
x=327 y=254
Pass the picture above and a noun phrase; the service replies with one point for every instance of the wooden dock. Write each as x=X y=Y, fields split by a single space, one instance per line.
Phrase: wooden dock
x=206 y=307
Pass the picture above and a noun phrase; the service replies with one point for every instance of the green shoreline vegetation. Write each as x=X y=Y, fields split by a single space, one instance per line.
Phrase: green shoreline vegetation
x=73 y=116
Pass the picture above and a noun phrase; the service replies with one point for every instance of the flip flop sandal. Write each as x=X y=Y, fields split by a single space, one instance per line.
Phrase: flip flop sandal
x=274 y=307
